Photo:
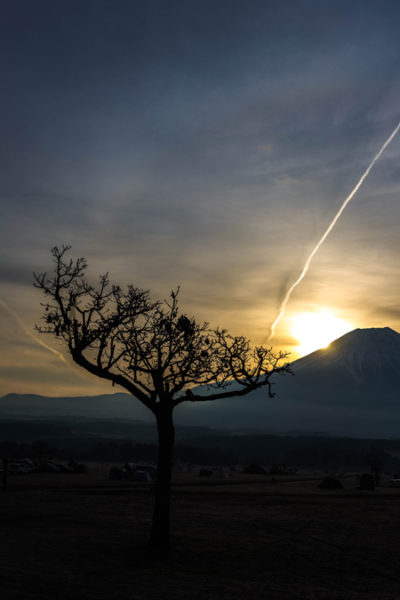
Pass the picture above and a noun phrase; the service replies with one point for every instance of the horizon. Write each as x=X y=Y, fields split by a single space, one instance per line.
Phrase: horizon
x=347 y=390
x=202 y=146
x=122 y=391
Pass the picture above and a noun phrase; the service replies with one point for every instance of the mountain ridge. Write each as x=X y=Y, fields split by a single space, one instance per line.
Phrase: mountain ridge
x=363 y=352
x=349 y=388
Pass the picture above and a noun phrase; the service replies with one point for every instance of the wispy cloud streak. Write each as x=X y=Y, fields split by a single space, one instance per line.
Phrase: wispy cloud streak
x=29 y=333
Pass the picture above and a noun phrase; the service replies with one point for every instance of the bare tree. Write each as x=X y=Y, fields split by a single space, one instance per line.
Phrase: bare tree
x=158 y=354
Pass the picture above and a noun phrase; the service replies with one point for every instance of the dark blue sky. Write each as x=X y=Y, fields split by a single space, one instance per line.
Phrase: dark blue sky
x=206 y=144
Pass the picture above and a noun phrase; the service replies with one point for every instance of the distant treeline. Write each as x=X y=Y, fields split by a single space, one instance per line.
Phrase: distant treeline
x=85 y=441
x=110 y=451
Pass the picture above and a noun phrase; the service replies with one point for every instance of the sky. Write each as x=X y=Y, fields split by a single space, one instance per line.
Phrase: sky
x=199 y=144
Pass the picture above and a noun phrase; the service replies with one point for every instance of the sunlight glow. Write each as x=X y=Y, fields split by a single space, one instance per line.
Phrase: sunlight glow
x=316 y=330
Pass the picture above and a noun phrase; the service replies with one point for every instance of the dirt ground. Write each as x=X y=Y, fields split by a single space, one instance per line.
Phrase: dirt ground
x=83 y=537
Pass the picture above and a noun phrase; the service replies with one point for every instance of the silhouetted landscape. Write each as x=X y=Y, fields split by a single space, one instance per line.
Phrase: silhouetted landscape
x=293 y=514
x=199 y=300
x=124 y=440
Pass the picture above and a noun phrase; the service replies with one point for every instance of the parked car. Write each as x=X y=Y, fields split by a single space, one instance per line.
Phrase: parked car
x=19 y=468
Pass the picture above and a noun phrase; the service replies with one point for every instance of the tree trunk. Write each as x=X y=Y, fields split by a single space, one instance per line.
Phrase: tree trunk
x=160 y=531
x=5 y=473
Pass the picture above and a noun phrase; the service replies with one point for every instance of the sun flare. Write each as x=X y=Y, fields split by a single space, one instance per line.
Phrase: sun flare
x=315 y=330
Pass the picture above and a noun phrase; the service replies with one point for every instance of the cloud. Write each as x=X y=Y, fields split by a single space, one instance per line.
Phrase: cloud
x=207 y=146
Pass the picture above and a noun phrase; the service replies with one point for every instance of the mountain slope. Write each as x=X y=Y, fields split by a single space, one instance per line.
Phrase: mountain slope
x=366 y=356
x=350 y=388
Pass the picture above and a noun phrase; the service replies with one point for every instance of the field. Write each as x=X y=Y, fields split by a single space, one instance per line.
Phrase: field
x=73 y=536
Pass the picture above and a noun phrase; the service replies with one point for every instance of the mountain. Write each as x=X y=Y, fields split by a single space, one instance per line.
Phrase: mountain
x=363 y=357
x=107 y=406
x=350 y=388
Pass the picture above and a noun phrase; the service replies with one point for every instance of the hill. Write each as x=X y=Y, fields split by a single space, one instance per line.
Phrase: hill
x=106 y=406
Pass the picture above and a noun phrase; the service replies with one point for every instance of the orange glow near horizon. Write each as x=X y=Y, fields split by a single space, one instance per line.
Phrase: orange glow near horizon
x=315 y=330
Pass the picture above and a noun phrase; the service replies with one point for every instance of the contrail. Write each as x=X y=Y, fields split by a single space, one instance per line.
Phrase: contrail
x=328 y=230
x=29 y=333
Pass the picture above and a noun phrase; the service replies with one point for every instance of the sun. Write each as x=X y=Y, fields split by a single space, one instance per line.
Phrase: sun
x=315 y=330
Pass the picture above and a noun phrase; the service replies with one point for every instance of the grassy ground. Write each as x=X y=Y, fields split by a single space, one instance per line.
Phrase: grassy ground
x=83 y=537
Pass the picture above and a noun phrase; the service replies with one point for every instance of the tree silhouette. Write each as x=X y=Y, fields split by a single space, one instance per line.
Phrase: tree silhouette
x=154 y=351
